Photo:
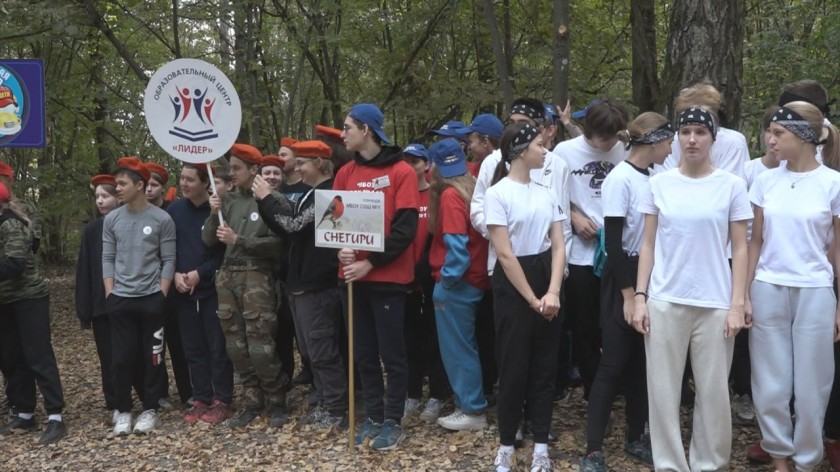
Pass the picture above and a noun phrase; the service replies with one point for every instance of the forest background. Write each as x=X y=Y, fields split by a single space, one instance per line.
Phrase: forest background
x=300 y=62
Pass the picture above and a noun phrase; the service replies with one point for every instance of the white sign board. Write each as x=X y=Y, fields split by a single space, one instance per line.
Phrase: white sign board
x=350 y=220
x=192 y=110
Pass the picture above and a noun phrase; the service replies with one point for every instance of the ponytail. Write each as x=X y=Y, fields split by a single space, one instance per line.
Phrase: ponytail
x=500 y=173
x=831 y=148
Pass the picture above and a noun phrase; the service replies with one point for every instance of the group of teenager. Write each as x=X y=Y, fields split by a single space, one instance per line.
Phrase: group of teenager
x=651 y=244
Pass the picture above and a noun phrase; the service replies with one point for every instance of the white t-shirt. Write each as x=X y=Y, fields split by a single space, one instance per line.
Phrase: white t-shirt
x=752 y=168
x=622 y=192
x=554 y=175
x=798 y=225
x=691 y=266
x=588 y=167
x=528 y=210
x=729 y=152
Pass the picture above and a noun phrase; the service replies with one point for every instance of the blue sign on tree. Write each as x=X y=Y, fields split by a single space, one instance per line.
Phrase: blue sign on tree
x=22 y=103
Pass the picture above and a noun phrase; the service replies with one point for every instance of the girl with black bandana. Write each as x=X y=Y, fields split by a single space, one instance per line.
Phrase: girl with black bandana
x=649 y=139
x=791 y=294
x=526 y=285
x=687 y=298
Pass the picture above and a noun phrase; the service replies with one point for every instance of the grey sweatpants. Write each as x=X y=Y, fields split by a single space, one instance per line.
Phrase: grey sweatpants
x=791 y=354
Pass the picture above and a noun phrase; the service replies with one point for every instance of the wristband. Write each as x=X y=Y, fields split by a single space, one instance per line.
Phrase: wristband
x=644 y=294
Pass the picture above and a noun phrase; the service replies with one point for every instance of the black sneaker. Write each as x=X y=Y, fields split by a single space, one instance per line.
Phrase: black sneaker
x=593 y=462
x=19 y=425
x=303 y=378
x=55 y=431
x=279 y=417
x=328 y=422
x=640 y=450
x=244 y=419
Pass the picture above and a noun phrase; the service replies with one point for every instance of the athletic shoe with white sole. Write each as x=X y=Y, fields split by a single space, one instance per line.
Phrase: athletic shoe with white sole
x=146 y=422
x=122 y=424
x=460 y=421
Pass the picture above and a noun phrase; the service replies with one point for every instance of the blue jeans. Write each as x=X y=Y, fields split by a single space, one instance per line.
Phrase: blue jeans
x=455 y=311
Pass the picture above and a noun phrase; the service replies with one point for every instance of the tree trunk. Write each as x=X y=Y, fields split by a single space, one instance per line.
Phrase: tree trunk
x=705 y=43
x=498 y=52
x=645 y=79
x=560 y=53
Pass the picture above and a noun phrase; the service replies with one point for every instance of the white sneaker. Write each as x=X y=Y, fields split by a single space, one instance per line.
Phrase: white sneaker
x=147 y=421
x=165 y=404
x=504 y=460
x=541 y=463
x=460 y=421
x=114 y=415
x=412 y=406
x=743 y=412
x=432 y=410
x=122 y=423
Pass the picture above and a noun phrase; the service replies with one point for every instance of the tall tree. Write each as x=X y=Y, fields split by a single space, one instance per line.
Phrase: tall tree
x=560 y=52
x=705 y=43
x=645 y=74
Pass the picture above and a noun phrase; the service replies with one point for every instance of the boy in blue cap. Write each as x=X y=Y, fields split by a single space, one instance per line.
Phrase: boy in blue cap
x=483 y=136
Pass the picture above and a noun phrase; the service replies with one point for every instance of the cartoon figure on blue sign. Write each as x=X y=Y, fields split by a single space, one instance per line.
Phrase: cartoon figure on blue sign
x=10 y=110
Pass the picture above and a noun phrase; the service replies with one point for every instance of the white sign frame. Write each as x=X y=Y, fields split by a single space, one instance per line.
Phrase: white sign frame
x=360 y=224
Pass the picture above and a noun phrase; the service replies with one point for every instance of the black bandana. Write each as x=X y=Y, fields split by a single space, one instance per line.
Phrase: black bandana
x=698 y=116
x=530 y=112
x=662 y=133
x=520 y=142
x=796 y=124
x=788 y=97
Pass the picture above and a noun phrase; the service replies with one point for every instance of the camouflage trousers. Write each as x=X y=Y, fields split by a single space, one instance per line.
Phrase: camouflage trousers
x=248 y=315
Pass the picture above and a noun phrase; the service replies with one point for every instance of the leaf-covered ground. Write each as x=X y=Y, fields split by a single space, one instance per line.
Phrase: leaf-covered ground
x=175 y=446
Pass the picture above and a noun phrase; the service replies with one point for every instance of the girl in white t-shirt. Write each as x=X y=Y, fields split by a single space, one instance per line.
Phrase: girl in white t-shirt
x=524 y=220
x=796 y=217
x=688 y=299
x=622 y=363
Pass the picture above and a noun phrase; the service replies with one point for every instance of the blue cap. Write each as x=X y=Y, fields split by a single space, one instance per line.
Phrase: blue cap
x=581 y=114
x=451 y=129
x=448 y=157
x=485 y=124
x=372 y=116
x=417 y=150
x=549 y=112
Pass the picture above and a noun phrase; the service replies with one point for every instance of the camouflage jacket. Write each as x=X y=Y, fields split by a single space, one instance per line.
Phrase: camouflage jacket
x=20 y=278
x=35 y=224
x=256 y=245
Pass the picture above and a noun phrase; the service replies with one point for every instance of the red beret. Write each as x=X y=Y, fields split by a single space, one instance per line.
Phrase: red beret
x=4 y=194
x=287 y=142
x=103 y=179
x=247 y=153
x=135 y=165
x=6 y=169
x=275 y=161
x=330 y=134
x=312 y=149
x=158 y=169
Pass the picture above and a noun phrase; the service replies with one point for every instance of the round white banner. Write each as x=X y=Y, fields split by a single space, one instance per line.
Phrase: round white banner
x=192 y=110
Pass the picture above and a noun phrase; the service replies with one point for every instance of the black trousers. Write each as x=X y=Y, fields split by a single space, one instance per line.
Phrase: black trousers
x=622 y=368
x=526 y=350
x=104 y=350
x=583 y=295
x=378 y=340
x=285 y=336
x=422 y=348
x=210 y=369
x=180 y=368
x=137 y=336
x=832 y=413
x=739 y=374
x=25 y=327
x=485 y=336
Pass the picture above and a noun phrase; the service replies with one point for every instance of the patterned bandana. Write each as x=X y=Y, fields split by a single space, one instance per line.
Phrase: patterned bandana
x=662 y=133
x=521 y=142
x=530 y=112
x=796 y=124
x=698 y=116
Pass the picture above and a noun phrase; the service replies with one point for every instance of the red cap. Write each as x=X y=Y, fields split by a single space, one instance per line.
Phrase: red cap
x=287 y=142
x=135 y=165
x=6 y=170
x=158 y=169
x=247 y=153
x=330 y=134
x=6 y=97
x=312 y=149
x=275 y=161
x=103 y=179
x=4 y=194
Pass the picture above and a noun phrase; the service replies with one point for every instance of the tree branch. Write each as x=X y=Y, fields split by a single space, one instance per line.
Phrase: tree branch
x=100 y=24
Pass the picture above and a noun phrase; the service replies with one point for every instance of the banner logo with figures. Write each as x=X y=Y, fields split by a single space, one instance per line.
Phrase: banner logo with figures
x=350 y=220
x=22 y=103
x=192 y=110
